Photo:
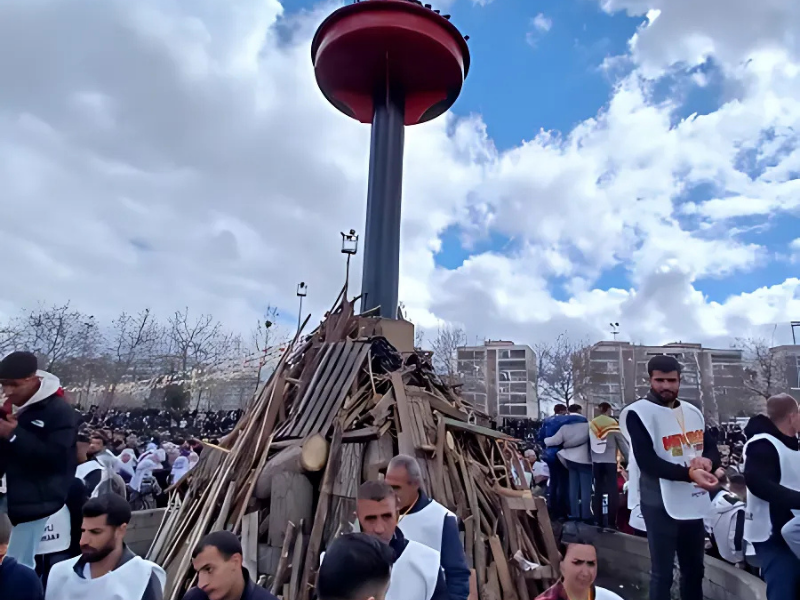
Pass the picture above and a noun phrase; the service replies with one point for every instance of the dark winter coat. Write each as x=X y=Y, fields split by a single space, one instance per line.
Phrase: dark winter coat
x=39 y=460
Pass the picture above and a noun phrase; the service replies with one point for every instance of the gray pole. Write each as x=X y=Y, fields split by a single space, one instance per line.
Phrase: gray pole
x=382 y=234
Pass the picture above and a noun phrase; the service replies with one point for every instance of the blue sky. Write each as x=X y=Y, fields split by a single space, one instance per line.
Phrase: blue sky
x=525 y=78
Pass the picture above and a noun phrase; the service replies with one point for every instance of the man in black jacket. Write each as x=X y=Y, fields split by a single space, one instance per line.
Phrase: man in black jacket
x=776 y=445
x=38 y=430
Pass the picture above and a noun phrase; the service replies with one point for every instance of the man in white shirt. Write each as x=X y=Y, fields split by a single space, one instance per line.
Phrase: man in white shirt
x=106 y=567
x=416 y=574
x=427 y=522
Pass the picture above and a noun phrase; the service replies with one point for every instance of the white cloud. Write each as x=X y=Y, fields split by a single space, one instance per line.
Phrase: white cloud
x=541 y=25
x=170 y=154
x=794 y=248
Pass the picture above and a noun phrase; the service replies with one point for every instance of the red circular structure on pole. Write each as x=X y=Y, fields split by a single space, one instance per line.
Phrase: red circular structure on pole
x=363 y=50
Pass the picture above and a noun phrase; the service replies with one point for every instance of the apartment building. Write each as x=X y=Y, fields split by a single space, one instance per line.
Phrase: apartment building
x=499 y=378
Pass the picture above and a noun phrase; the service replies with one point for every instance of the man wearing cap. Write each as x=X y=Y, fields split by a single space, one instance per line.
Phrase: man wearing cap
x=38 y=432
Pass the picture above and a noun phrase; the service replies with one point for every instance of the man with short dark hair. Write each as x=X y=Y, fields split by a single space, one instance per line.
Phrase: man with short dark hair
x=37 y=450
x=772 y=473
x=670 y=475
x=357 y=566
x=416 y=572
x=17 y=582
x=220 y=575
x=426 y=521
x=605 y=438
x=106 y=568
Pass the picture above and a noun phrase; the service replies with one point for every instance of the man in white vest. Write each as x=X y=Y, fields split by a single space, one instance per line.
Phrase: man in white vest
x=416 y=573
x=670 y=476
x=772 y=473
x=357 y=566
x=725 y=522
x=106 y=567
x=427 y=522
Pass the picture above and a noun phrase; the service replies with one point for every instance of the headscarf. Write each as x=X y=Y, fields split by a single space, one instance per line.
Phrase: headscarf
x=147 y=464
x=128 y=466
x=193 y=458
x=179 y=469
x=599 y=428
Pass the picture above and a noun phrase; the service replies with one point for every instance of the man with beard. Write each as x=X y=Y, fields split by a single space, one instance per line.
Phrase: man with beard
x=37 y=450
x=416 y=572
x=670 y=476
x=106 y=567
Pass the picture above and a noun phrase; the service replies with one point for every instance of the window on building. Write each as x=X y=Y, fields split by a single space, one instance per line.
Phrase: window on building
x=518 y=354
x=512 y=365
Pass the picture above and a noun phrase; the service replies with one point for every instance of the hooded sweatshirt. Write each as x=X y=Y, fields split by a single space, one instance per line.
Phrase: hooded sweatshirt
x=18 y=582
x=39 y=459
x=762 y=471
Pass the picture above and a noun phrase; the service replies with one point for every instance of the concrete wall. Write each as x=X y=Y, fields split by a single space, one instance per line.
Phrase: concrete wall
x=625 y=560
x=142 y=529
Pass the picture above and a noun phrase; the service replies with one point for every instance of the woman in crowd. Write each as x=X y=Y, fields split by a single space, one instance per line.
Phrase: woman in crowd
x=578 y=572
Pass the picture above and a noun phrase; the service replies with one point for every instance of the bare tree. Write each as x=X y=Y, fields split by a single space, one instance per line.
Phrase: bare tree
x=765 y=370
x=267 y=337
x=132 y=338
x=445 y=347
x=562 y=370
x=55 y=333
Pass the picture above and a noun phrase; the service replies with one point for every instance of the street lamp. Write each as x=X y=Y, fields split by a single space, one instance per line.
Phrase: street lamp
x=795 y=325
x=614 y=330
x=349 y=247
x=302 y=292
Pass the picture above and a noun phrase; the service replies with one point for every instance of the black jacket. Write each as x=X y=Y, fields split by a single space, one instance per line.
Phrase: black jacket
x=18 y=582
x=651 y=466
x=762 y=471
x=39 y=460
x=251 y=591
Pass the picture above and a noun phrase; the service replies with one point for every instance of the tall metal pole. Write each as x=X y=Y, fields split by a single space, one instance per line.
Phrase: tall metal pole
x=382 y=234
x=300 y=314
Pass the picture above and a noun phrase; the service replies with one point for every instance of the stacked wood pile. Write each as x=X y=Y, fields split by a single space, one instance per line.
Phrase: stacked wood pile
x=341 y=403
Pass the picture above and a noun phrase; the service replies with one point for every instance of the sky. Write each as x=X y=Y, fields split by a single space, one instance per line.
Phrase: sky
x=631 y=161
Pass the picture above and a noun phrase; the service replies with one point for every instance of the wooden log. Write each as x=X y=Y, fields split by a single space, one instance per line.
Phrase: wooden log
x=292 y=501
x=405 y=439
x=348 y=473
x=546 y=530
x=314 y=454
x=377 y=455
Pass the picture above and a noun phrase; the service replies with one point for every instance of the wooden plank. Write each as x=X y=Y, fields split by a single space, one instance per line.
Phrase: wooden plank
x=361 y=435
x=316 y=368
x=250 y=544
x=381 y=410
x=405 y=439
x=282 y=571
x=319 y=393
x=503 y=572
x=520 y=503
x=348 y=473
x=453 y=424
x=349 y=371
x=546 y=528
x=377 y=455
x=312 y=553
x=442 y=405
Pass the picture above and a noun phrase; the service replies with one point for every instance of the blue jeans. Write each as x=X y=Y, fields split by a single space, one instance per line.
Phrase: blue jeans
x=780 y=568
x=580 y=491
x=558 y=489
x=25 y=538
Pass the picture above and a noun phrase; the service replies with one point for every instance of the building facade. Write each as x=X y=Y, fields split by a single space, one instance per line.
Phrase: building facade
x=499 y=378
x=712 y=379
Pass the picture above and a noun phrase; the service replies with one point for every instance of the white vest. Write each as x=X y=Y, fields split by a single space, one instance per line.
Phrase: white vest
x=425 y=526
x=721 y=523
x=682 y=501
x=128 y=582
x=604 y=594
x=58 y=531
x=757 y=524
x=414 y=574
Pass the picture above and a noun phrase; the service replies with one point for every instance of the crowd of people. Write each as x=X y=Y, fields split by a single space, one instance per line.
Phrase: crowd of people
x=72 y=481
